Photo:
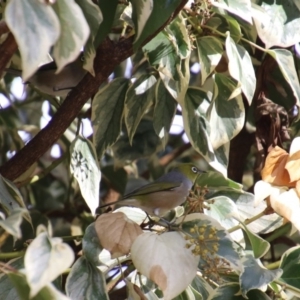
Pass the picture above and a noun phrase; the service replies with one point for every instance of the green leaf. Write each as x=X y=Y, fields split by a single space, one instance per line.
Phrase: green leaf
x=36 y=28
x=290 y=262
x=44 y=260
x=138 y=100
x=169 y=53
x=108 y=9
x=107 y=114
x=84 y=165
x=74 y=32
x=255 y=276
x=221 y=209
x=7 y=289
x=259 y=246
x=161 y=12
x=210 y=50
x=241 y=8
x=221 y=245
x=91 y=245
x=93 y=16
x=274 y=25
x=164 y=111
x=226 y=113
x=202 y=286
x=141 y=11
x=11 y=198
x=86 y=281
x=232 y=291
x=13 y=222
x=145 y=142
x=285 y=61
x=197 y=126
x=241 y=68
x=48 y=292
x=117 y=178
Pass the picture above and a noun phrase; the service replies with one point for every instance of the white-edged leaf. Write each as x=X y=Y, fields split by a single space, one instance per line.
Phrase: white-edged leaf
x=210 y=50
x=164 y=111
x=86 y=281
x=159 y=257
x=274 y=26
x=285 y=61
x=241 y=68
x=44 y=260
x=139 y=98
x=255 y=276
x=93 y=16
x=197 y=127
x=107 y=114
x=84 y=165
x=36 y=28
x=74 y=32
x=13 y=222
x=241 y=8
x=226 y=113
x=141 y=11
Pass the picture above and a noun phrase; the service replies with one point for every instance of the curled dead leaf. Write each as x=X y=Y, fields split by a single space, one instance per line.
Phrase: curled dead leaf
x=293 y=166
x=274 y=170
x=117 y=233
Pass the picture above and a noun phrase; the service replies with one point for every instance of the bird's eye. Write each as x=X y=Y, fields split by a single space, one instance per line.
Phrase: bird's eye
x=194 y=169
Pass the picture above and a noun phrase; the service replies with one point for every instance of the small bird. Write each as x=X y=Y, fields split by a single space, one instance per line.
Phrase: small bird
x=165 y=193
x=60 y=84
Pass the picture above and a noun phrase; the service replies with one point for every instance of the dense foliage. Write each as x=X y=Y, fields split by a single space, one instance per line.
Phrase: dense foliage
x=163 y=82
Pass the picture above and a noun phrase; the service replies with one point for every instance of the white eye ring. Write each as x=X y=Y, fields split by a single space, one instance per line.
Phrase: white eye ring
x=194 y=169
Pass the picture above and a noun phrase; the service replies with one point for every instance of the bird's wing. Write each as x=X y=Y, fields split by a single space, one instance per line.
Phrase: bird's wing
x=152 y=188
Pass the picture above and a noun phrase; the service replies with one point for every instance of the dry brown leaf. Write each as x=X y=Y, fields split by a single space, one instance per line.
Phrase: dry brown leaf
x=274 y=170
x=117 y=233
x=293 y=166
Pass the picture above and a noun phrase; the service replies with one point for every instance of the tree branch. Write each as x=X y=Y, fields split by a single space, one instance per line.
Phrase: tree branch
x=109 y=55
x=7 y=49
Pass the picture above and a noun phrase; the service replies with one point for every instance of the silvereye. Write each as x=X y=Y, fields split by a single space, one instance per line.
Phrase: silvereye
x=165 y=193
x=56 y=84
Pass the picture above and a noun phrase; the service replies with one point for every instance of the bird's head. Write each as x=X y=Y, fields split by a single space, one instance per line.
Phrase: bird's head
x=190 y=171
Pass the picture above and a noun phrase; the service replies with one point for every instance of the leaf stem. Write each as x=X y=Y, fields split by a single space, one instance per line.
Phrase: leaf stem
x=246 y=222
x=10 y=255
x=273 y=265
x=287 y=286
x=243 y=39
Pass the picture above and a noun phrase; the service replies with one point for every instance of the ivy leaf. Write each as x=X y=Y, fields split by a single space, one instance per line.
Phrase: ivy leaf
x=290 y=262
x=93 y=16
x=159 y=257
x=139 y=98
x=210 y=50
x=44 y=260
x=197 y=126
x=84 y=165
x=108 y=10
x=255 y=276
x=161 y=11
x=107 y=114
x=86 y=281
x=226 y=113
x=274 y=26
x=74 y=32
x=285 y=61
x=239 y=61
x=241 y=8
x=164 y=111
x=36 y=28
